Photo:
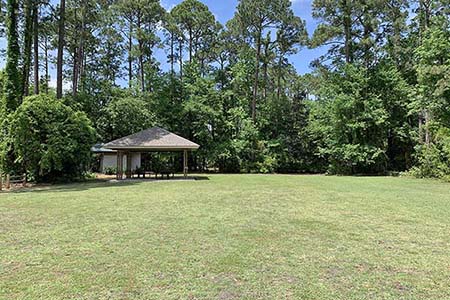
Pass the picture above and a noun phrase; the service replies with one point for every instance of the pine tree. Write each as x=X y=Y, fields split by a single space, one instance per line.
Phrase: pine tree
x=12 y=86
x=27 y=44
x=60 y=62
x=250 y=24
x=195 y=24
x=36 y=46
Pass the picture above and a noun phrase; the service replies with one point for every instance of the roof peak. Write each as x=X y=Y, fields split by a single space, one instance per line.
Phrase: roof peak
x=155 y=138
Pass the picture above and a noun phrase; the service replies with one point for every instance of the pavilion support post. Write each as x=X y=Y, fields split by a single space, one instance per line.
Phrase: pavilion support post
x=185 y=163
x=8 y=182
x=119 y=165
x=128 y=169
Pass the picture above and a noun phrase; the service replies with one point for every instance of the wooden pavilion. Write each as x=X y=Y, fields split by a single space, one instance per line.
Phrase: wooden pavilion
x=151 y=140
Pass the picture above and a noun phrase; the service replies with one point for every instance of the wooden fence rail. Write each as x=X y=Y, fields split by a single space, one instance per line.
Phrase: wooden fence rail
x=7 y=180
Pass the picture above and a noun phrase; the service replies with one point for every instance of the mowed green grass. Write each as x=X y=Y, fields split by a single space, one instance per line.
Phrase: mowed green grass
x=229 y=237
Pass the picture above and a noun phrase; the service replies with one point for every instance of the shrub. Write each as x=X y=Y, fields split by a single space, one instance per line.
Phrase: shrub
x=110 y=171
x=51 y=140
x=433 y=161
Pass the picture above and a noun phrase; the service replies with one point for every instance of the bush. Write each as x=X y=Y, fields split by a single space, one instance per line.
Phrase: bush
x=433 y=161
x=110 y=171
x=51 y=140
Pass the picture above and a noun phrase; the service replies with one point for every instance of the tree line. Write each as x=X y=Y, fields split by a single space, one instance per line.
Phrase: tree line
x=377 y=102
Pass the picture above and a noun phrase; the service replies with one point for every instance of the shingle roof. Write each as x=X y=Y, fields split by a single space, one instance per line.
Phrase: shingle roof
x=98 y=148
x=153 y=139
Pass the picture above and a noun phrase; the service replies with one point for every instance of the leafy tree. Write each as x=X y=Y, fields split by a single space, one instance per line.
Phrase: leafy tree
x=51 y=140
x=433 y=69
x=433 y=161
x=388 y=82
x=376 y=101
x=355 y=123
x=292 y=141
x=433 y=97
x=124 y=116
x=201 y=112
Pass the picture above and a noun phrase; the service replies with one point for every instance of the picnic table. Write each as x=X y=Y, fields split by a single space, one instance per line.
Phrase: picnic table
x=144 y=173
x=167 y=173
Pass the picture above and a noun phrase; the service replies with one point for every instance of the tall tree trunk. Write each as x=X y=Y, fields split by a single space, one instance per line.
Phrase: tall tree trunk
x=222 y=72
x=266 y=80
x=424 y=16
x=395 y=39
x=181 y=68
x=256 y=81
x=79 y=52
x=280 y=62
x=424 y=115
x=190 y=45
x=141 y=68
x=347 y=31
x=427 y=117
x=59 y=62
x=47 y=76
x=172 y=66
x=181 y=58
x=141 y=55
x=75 y=69
x=367 y=46
x=12 y=88
x=202 y=65
x=28 y=40
x=172 y=42
x=266 y=66
x=36 y=48
x=81 y=73
x=130 y=58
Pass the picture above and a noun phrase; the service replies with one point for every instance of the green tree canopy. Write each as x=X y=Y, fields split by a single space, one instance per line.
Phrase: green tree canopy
x=50 y=139
x=124 y=116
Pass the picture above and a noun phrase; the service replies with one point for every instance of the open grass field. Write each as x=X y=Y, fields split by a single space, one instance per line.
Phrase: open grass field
x=229 y=237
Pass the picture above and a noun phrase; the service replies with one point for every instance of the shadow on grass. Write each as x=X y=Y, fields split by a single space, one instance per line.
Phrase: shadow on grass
x=74 y=187
x=99 y=184
x=201 y=178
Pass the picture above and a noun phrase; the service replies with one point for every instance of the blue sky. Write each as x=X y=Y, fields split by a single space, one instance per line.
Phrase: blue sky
x=224 y=11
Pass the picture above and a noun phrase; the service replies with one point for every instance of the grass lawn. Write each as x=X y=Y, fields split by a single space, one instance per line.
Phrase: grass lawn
x=229 y=237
